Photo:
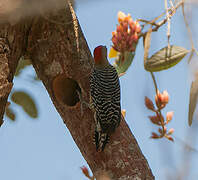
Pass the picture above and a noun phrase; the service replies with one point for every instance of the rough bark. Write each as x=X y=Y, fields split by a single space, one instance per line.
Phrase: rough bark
x=13 y=41
x=60 y=54
x=63 y=62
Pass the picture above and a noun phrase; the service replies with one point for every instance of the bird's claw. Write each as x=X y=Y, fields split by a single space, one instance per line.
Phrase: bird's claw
x=83 y=102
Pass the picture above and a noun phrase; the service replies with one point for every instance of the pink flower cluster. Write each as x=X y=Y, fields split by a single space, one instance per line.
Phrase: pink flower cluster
x=125 y=37
x=161 y=99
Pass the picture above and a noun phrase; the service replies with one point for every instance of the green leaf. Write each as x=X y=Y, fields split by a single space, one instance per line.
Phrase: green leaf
x=21 y=65
x=123 y=62
x=193 y=100
x=26 y=102
x=165 y=58
x=10 y=113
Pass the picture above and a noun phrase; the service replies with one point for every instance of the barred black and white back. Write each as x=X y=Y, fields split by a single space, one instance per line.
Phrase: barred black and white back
x=105 y=94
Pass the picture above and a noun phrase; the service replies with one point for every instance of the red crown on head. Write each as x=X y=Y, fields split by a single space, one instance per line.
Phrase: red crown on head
x=98 y=52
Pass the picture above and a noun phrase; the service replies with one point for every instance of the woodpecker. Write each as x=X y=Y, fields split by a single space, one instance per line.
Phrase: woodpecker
x=105 y=97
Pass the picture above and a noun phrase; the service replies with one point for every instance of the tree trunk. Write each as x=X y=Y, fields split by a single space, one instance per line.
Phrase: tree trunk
x=63 y=62
x=13 y=40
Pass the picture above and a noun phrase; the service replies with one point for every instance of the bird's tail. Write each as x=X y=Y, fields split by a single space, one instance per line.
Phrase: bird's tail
x=101 y=139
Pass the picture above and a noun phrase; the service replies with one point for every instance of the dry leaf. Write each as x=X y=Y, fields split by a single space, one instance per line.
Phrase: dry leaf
x=193 y=99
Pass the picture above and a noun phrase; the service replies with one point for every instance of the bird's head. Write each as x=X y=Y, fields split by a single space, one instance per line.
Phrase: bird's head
x=100 y=55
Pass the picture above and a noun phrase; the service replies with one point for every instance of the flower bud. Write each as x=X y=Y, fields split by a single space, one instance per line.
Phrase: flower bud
x=154 y=135
x=121 y=16
x=123 y=45
x=132 y=49
x=125 y=35
x=130 y=42
x=158 y=99
x=125 y=26
x=155 y=120
x=119 y=28
x=137 y=26
x=119 y=37
x=169 y=116
x=135 y=37
x=165 y=97
x=114 y=40
x=170 y=138
x=171 y=131
x=114 y=33
x=85 y=171
x=127 y=40
x=127 y=18
x=132 y=28
x=130 y=21
x=115 y=47
x=149 y=104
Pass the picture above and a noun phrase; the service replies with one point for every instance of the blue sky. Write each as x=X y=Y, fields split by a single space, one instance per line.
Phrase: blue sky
x=43 y=148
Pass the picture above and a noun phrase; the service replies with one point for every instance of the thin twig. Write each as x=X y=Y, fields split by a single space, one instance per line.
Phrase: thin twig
x=159 y=110
x=171 y=3
x=189 y=34
x=191 y=55
x=154 y=81
x=158 y=25
x=147 y=22
x=168 y=23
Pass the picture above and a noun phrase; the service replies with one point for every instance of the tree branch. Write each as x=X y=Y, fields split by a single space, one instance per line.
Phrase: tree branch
x=62 y=60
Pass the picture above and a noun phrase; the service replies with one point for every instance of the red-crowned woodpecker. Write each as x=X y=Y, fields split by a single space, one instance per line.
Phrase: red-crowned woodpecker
x=105 y=97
